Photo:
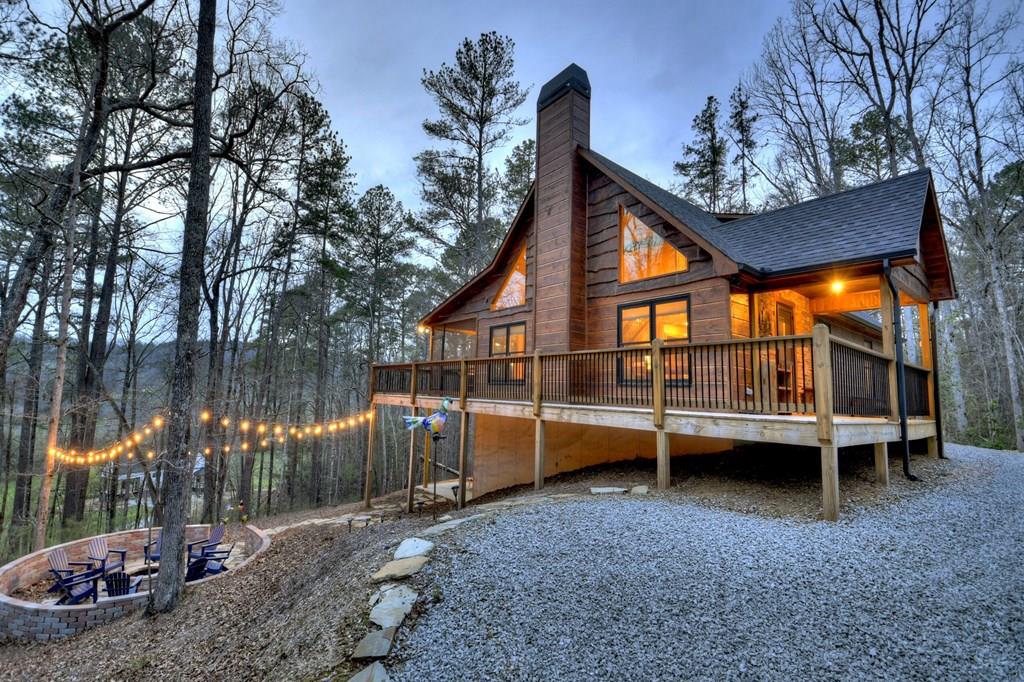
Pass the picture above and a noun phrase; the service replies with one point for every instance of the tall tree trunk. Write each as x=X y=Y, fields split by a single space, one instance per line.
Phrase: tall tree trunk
x=175 y=488
x=83 y=431
x=1010 y=356
x=30 y=408
x=57 y=399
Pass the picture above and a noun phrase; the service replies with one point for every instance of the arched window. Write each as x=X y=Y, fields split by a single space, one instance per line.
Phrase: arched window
x=643 y=253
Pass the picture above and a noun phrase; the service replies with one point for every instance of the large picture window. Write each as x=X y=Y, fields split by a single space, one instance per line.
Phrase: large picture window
x=643 y=253
x=508 y=340
x=641 y=323
x=513 y=290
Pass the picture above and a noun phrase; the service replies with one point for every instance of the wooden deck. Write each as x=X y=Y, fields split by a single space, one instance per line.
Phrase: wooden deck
x=782 y=429
x=735 y=391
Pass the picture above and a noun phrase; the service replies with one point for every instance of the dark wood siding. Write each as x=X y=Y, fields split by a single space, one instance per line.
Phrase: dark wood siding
x=710 y=317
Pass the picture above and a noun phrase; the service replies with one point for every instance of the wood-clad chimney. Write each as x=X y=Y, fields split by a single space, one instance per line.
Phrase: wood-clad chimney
x=563 y=124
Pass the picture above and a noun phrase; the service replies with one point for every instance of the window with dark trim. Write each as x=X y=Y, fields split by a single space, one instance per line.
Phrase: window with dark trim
x=507 y=340
x=639 y=323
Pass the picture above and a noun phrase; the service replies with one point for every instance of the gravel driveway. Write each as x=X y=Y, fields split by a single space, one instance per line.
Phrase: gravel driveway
x=930 y=587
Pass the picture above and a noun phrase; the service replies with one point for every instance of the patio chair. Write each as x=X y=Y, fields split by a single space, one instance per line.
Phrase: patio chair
x=75 y=587
x=209 y=544
x=120 y=583
x=61 y=567
x=152 y=549
x=100 y=553
x=208 y=563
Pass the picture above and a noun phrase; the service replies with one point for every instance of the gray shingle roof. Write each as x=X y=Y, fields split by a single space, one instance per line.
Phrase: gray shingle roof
x=866 y=223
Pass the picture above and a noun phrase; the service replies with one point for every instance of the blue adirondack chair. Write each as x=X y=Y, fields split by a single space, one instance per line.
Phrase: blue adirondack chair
x=208 y=563
x=100 y=553
x=120 y=584
x=74 y=587
x=206 y=546
x=152 y=550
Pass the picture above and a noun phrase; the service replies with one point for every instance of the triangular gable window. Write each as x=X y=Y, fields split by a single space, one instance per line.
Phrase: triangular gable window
x=513 y=289
x=643 y=253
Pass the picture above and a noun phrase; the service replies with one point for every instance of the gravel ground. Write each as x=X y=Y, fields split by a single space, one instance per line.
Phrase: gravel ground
x=927 y=586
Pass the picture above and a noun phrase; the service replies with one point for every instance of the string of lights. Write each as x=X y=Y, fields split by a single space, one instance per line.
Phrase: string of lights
x=252 y=434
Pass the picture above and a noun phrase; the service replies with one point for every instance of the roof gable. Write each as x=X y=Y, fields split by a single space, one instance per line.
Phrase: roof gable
x=696 y=222
x=502 y=257
x=867 y=223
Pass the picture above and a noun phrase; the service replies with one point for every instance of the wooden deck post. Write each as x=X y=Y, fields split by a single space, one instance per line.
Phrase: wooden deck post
x=368 y=488
x=821 y=349
x=463 y=437
x=658 y=379
x=927 y=348
x=823 y=411
x=463 y=383
x=882 y=463
x=538 y=455
x=661 y=442
x=426 y=458
x=410 y=498
x=664 y=460
x=889 y=346
x=412 y=385
x=925 y=330
x=936 y=393
x=537 y=382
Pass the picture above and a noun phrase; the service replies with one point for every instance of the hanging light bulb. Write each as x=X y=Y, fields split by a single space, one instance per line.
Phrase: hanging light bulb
x=205 y=416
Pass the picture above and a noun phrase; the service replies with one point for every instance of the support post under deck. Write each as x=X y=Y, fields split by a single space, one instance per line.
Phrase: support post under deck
x=882 y=463
x=664 y=461
x=538 y=455
x=411 y=494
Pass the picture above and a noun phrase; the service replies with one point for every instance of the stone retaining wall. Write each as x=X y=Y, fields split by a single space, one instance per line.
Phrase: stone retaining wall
x=24 y=620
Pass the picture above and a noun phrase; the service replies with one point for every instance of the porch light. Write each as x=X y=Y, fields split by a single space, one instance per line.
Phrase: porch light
x=837 y=286
x=422 y=329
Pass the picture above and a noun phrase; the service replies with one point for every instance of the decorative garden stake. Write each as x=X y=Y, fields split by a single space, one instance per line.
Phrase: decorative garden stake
x=434 y=423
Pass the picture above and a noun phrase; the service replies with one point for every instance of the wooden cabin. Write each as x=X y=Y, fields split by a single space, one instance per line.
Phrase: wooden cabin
x=619 y=320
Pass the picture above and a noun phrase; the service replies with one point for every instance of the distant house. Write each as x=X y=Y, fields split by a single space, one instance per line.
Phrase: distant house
x=618 y=319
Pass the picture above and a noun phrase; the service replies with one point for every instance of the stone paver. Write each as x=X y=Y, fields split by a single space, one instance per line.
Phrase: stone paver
x=374 y=672
x=607 y=490
x=639 y=490
x=401 y=568
x=376 y=644
x=394 y=605
x=411 y=547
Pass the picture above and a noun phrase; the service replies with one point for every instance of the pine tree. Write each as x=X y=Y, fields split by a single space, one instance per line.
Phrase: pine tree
x=742 y=119
x=704 y=159
x=520 y=166
x=477 y=98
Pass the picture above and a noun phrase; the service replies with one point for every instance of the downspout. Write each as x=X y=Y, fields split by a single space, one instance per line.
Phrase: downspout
x=901 y=387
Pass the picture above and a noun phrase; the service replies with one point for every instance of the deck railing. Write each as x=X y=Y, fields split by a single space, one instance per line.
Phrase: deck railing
x=860 y=381
x=916 y=380
x=772 y=375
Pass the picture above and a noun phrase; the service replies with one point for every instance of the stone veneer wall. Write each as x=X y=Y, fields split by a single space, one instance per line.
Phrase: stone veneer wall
x=32 y=621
